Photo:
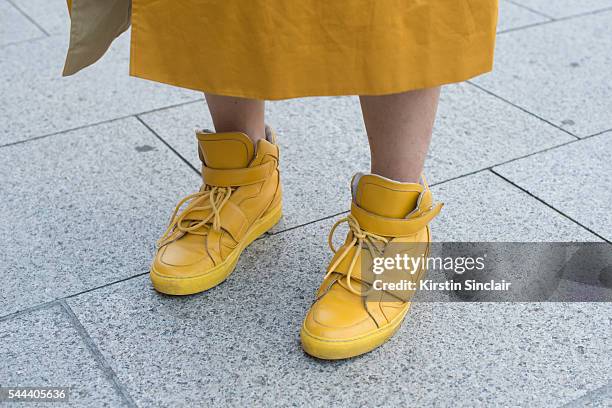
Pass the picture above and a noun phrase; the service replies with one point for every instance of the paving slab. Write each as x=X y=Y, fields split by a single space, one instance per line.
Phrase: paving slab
x=323 y=145
x=601 y=397
x=44 y=349
x=52 y=16
x=239 y=343
x=575 y=179
x=570 y=290
x=85 y=209
x=72 y=223
x=485 y=208
x=513 y=16
x=559 y=71
x=474 y=130
x=565 y=8
x=14 y=26
x=37 y=100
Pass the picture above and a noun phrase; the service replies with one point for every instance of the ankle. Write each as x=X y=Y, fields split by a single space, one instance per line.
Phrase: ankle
x=399 y=175
x=255 y=133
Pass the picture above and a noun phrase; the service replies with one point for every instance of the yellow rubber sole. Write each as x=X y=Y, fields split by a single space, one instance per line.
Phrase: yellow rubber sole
x=213 y=277
x=328 y=349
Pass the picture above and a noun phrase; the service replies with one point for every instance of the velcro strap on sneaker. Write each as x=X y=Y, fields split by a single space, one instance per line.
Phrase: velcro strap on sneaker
x=394 y=227
x=237 y=177
x=233 y=220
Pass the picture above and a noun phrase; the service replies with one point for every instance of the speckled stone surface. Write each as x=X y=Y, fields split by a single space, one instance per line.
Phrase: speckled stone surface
x=565 y=8
x=243 y=339
x=475 y=130
x=52 y=15
x=37 y=100
x=558 y=71
x=601 y=397
x=579 y=292
x=513 y=16
x=570 y=179
x=44 y=349
x=85 y=209
x=14 y=26
x=485 y=208
x=238 y=344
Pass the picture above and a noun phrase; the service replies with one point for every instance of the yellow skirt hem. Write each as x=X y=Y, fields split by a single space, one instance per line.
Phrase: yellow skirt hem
x=408 y=85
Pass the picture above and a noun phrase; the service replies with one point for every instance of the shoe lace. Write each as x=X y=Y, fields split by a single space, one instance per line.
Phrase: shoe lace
x=208 y=198
x=360 y=238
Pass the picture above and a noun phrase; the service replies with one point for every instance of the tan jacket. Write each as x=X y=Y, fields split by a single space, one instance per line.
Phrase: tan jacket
x=94 y=25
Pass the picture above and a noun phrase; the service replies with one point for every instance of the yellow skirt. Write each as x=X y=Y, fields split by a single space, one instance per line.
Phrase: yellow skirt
x=278 y=49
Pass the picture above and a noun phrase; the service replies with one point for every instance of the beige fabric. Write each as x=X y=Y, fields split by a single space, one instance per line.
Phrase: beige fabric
x=94 y=26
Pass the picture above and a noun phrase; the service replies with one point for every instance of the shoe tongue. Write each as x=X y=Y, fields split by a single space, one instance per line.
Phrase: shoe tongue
x=225 y=150
x=384 y=197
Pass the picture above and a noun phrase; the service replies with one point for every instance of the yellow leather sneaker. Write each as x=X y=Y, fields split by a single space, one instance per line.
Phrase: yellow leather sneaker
x=348 y=318
x=239 y=200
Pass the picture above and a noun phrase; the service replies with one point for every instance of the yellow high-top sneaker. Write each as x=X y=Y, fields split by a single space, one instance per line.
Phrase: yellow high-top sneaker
x=348 y=318
x=239 y=200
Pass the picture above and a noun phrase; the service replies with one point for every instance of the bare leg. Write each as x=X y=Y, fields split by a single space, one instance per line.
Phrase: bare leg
x=399 y=130
x=230 y=114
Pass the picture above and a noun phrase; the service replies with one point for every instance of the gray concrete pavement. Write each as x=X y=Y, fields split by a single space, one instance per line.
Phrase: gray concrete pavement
x=91 y=167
